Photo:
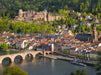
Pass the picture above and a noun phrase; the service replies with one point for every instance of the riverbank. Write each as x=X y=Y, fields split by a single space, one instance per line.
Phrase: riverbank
x=89 y=63
x=59 y=57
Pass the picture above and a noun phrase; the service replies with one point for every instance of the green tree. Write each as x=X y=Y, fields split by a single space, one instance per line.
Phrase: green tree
x=79 y=72
x=14 y=71
x=3 y=46
x=63 y=12
x=99 y=15
x=99 y=28
x=81 y=7
x=83 y=28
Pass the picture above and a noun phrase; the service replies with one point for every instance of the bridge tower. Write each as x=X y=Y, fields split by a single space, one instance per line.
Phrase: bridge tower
x=52 y=48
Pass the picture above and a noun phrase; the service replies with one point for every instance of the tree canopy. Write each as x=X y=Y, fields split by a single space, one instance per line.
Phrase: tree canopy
x=11 y=7
x=3 y=46
x=22 y=27
x=14 y=71
x=79 y=72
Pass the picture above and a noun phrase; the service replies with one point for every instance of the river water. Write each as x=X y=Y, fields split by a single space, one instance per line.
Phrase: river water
x=46 y=66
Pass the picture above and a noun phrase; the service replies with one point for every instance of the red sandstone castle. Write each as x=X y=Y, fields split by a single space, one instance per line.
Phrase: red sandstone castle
x=32 y=15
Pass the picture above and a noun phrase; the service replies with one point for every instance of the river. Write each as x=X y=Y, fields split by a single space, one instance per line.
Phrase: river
x=46 y=66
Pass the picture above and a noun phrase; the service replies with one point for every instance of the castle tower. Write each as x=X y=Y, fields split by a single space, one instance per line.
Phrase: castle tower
x=95 y=34
x=45 y=15
x=20 y=13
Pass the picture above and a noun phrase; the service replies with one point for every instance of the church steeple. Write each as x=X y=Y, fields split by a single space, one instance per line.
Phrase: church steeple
x=95 y=34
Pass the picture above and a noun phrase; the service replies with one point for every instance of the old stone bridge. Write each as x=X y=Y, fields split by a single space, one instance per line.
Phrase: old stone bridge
x=23 y=55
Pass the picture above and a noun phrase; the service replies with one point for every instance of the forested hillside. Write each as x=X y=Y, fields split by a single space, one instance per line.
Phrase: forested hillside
x=11 y=7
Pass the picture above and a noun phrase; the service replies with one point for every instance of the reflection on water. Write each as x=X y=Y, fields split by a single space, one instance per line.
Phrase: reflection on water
x=45 y=66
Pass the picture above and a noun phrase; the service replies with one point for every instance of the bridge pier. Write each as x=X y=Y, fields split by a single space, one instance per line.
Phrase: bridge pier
x=0 y=61
x=44 y=54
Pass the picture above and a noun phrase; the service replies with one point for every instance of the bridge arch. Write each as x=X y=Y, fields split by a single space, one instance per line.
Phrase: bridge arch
x=6 y=61
x=46 y=53
x=28 y=56
x=36 y=54
x=50 y=53
x=18 y=58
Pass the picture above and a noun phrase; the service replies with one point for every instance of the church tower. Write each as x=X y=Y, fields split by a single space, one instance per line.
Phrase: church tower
x=95 y=35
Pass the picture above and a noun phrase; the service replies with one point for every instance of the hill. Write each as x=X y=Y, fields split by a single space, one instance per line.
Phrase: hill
x=11 y=7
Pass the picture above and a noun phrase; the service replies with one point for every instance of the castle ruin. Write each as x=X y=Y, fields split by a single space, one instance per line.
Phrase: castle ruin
x=32 y=16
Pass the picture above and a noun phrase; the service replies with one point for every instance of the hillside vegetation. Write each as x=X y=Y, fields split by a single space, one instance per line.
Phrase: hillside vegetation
x=11 y=7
